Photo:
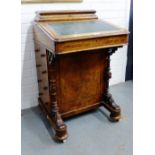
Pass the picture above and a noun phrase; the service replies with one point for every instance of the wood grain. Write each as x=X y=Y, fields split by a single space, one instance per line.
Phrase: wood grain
x=90 y=44
x=74 y=72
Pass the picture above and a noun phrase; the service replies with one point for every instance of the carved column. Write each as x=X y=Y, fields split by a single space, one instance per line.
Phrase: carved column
x=55 y=117
x=108 y=101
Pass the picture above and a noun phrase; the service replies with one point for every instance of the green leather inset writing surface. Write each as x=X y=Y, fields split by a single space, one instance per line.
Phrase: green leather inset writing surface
x=71 y=28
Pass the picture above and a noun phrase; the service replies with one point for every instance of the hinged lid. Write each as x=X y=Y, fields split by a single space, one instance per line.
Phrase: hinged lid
x=70 y=31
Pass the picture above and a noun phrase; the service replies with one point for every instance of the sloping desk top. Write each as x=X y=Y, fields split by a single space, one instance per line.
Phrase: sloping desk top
x=73 y=31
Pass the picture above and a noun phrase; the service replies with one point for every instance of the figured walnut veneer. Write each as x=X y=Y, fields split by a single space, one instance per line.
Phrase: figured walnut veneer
x=81 y=81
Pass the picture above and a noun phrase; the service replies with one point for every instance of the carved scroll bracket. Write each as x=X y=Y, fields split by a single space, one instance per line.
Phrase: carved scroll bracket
x=51 y=57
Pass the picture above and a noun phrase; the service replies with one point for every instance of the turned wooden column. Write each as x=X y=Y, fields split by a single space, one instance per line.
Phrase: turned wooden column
x=108 y=101
x=54 y=115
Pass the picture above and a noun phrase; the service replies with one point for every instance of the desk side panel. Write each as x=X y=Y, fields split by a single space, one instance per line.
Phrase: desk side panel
x=44 y=38
x=42 y=74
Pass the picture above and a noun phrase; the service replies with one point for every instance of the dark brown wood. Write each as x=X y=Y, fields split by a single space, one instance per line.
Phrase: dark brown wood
x=80 y=81
x=74 y=72
x=108 y=101
x=55 y=117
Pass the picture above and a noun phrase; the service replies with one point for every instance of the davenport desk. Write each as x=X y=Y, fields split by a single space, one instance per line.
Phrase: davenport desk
x=73 y=51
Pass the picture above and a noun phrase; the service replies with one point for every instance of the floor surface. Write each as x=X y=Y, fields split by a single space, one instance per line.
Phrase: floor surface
x=89 y=134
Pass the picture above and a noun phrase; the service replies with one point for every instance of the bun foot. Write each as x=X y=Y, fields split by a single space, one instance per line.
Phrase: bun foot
x=59 y=127
x=61 y=134
x=115 y=117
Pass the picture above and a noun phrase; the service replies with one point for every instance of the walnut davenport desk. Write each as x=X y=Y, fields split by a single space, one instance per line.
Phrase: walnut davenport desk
x=72 y=50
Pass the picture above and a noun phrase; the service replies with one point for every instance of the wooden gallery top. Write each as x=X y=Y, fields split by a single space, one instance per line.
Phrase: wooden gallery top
x=73 y=51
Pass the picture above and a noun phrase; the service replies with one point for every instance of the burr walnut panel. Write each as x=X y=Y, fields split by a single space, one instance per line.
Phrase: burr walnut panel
x=81 y=80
